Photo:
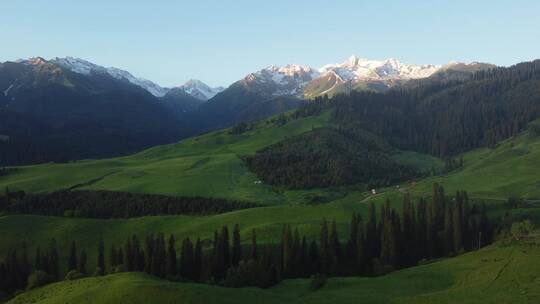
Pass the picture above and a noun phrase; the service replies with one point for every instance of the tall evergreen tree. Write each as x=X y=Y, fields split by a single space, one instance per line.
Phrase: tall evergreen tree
x=324 y=256
x=82 y=262
x=172 y=268
x=335 y=249
x=236 y=247
x=72 y=264
x=254 y=249
x=101 y=256
x=198 y=261
x=54 y=267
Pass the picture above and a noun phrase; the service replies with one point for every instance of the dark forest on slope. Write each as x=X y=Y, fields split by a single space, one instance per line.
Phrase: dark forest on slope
x=440 y=118
x=451 y=117
x=328 y=157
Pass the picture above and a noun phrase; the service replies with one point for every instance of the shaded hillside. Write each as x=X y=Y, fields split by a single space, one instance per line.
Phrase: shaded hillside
x=53 y=114
x=450 y=117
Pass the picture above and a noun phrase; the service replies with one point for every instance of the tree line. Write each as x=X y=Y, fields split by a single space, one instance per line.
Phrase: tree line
x=377 y=244
x=112 y=204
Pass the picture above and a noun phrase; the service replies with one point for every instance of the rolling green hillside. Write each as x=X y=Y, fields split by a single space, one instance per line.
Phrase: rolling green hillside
x=205 y=166
x=208 y=165
x=500 y=273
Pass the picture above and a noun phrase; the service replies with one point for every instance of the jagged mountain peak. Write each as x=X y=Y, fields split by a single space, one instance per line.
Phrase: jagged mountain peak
x=81 y=66
x=200 y=90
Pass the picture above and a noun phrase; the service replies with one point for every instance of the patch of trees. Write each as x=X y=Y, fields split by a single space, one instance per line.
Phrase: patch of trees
x=328 y=157
x=6 y=171
x=447 y=118
x=241 y=128
x=452 y=163
x=109 y=204
x=377 y=244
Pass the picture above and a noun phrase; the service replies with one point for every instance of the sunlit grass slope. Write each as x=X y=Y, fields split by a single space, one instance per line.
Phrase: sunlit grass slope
x=208 y=165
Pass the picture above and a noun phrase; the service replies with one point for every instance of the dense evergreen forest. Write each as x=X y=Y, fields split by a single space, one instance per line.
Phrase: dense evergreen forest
x=328 y=157
x=449 y=117
x=110 y=204
x=382 y=242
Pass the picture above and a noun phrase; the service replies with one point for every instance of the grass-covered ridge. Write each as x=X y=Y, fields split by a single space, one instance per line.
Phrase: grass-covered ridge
x=209 y=165
x=500 y=273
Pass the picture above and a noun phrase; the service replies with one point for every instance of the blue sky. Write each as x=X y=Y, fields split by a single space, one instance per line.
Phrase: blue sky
x=219 y=42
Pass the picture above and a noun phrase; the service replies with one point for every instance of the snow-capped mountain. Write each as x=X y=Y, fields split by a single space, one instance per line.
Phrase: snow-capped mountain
x=84 y=67
x=353 y=74
x=280 y=81
x=200 y=90
x=355 y=68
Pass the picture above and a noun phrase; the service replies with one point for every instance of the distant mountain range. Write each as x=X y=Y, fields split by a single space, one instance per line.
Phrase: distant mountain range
x=68 y=108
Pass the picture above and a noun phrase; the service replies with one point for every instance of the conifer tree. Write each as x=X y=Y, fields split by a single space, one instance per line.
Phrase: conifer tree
x=72 y=264
x=54 y=267
x=457 y=233
x=101 y=256
x=335 y=249
x=172 y=268
x=236 y=247
x=198 y=261
x=324 y=256
x=82 y=262
x=254 y=249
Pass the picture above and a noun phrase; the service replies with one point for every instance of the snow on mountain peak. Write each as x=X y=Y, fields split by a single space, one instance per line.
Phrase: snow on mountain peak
x=356 y=68
x=200 y=90
x=84 y=67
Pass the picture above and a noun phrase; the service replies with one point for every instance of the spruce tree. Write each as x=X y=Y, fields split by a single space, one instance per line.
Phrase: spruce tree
x=72 y=264
x=101 y=256
x=236 y=246
x=254 y=249
x=82 y=262
x=54 y=267
x=324 y=248
x=448 y=240
x=457 y=233
x=198 y=261
x=335 y=249
x=172 y=268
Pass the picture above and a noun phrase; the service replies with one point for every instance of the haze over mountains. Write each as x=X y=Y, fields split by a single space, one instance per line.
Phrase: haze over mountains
x=68 y=108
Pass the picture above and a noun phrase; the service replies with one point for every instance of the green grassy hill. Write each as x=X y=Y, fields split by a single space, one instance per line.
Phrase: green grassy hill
x=487 y=174
x=496 y=274
x=202 y=166
x=208 y=165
